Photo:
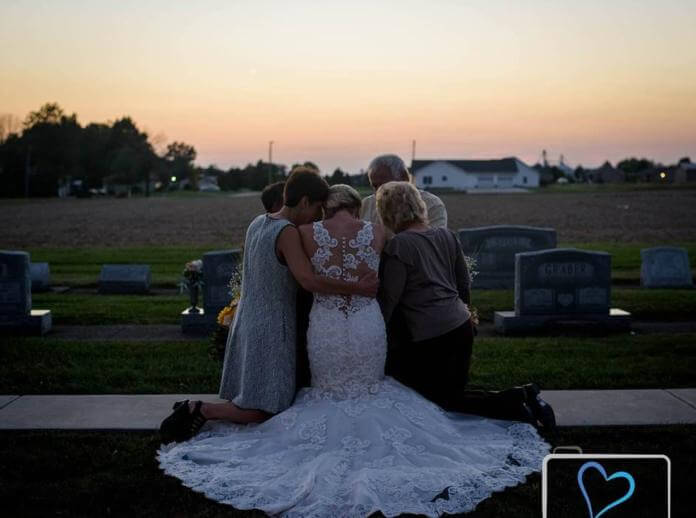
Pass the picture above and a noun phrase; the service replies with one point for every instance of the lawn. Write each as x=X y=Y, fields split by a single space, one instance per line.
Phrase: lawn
x=643 y=304
x=116 y=474
x=81 y=266
x=50 y=366
x=80 y=308
x=85 y=309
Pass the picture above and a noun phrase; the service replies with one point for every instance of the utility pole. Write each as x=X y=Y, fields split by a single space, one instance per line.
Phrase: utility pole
x=270 y=160
x=27 y=172
x=413 y=152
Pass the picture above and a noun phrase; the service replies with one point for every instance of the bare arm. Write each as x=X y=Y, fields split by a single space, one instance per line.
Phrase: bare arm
x=289 y=246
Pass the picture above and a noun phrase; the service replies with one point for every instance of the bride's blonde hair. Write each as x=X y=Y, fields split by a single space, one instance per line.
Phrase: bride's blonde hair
x=342 y=197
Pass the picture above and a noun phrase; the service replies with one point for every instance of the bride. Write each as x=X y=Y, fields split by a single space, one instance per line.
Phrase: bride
x=355 y=442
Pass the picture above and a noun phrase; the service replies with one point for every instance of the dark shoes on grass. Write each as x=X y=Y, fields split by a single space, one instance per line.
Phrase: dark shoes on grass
x=182 y=424
x=542 y=411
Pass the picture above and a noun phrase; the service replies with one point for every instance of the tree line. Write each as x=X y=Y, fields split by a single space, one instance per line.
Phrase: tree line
x=50 y=150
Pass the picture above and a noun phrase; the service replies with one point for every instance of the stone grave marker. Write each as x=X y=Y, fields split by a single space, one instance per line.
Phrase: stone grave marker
x=40 y=277
x=16 y=314
x=124 y=279
x=494 y=250
x=218 y=268
x=561 y=285
x=665 y=267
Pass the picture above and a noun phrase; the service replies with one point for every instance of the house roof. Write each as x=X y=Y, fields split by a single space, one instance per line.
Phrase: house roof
x=502 y=165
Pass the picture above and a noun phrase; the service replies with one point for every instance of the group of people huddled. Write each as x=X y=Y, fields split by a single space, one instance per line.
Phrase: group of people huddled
x=353 y=340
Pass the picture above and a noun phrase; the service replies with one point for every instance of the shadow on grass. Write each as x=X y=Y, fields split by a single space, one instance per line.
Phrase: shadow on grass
x=116 y=474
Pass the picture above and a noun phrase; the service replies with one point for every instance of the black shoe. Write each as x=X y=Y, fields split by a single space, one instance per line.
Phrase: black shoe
x=541 y=409
x=182 y=424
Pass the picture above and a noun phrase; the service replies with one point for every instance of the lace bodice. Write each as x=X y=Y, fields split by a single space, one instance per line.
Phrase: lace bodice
x=346 y=258
x=346 y=340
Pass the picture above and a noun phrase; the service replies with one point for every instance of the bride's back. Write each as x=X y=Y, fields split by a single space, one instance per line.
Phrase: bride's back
x=346 y=339
x=343 y=247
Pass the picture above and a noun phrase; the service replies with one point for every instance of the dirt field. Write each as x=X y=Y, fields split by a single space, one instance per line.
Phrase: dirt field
x=645 y=217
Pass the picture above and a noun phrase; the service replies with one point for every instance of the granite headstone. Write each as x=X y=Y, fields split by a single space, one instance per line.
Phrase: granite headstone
x=16 y=314
x=665 y=267
x=40 y=277
x=218 y=268
x=494 y=250
x=563 y=284
x=124 y=279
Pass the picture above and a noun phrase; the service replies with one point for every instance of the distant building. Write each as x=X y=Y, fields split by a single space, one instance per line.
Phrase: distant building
x=685 y=173
x=462 y=175
x=606 y=173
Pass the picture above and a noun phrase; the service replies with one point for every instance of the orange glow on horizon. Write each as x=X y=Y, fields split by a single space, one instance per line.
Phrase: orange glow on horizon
x=339 y=83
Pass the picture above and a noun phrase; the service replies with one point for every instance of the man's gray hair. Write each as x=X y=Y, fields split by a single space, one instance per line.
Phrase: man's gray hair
x=393 y=164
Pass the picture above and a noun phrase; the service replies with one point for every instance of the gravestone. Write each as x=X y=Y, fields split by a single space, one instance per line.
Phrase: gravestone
x=40 y=277
x=16 y=314
x=218 y=268
x=124 y=279
x=665 y=267
x=494 y=250
x=561 y=285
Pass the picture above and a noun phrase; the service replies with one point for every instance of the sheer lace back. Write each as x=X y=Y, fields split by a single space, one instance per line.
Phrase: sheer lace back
x=346 y=340
x=344 y=257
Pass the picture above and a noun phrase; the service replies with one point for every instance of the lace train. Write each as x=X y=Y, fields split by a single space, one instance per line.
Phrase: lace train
x=387 y=450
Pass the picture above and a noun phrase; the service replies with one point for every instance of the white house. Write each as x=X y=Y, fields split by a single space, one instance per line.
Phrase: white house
x=462 y=175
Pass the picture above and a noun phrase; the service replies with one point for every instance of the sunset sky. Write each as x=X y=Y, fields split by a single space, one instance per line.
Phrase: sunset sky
x=339 y=82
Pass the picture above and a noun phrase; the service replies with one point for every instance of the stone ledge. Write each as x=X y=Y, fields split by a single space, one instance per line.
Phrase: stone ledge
x=507 y=322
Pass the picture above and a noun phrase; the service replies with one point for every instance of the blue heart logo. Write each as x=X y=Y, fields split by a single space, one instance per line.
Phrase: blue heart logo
x=618 y=474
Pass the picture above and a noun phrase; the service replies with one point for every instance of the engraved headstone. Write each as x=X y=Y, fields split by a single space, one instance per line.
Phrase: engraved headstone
x=124 y=279
x=563 y=284
x=15 y=284
x=40 y=277
x=494 y=250
x=562 y=281
x=16 y=314
x=665 y=267
x=218 y=268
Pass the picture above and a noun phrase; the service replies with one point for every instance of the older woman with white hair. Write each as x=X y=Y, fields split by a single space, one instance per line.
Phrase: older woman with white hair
x=424 y=280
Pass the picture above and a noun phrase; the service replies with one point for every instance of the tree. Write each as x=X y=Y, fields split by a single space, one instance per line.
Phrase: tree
x=633 y=166
x=9 y=125
x=49 y=113
x=338 y=176
x=684 y=160
x=180 y=157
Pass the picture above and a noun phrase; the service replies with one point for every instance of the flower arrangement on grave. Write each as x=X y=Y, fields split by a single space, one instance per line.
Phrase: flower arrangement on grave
x=473 y=272
x=226 y=316
x=192 y=281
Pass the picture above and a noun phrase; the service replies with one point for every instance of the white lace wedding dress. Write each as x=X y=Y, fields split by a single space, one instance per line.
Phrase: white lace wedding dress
x=356 y=442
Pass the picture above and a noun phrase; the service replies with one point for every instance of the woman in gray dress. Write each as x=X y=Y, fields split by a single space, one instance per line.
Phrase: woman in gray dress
x=258 y=377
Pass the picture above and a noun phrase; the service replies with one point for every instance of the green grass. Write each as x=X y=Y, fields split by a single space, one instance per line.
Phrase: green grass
x=643 y=304
x=86 y=309
x=45 y=366
x=51 y=366
x=116 y=474
x=81 y=267
x=620 y=361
